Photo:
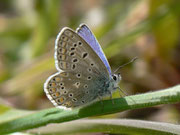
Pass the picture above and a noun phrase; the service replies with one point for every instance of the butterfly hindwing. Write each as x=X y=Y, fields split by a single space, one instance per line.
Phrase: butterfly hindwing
x=64 y=89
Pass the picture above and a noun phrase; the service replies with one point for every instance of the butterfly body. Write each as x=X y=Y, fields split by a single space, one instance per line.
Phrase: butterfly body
x=84 y=74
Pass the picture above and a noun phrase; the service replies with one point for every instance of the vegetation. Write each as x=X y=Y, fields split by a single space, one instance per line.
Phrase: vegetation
x=125 y=29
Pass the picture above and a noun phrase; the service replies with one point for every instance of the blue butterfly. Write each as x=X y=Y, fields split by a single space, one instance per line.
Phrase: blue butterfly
x=84 y=74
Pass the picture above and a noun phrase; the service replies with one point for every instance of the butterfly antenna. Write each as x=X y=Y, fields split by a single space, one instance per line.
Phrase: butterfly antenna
x=135 y=58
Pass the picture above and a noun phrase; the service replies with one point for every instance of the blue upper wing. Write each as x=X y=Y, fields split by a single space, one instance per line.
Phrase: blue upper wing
x=88 y=36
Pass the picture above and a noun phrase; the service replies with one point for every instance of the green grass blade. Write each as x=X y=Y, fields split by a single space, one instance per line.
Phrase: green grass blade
x=55 y=115
x=111 y=126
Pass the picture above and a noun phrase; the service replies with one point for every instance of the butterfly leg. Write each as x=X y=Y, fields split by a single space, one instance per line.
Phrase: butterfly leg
x=110 y=93
x=100 y=99
x=120 y=90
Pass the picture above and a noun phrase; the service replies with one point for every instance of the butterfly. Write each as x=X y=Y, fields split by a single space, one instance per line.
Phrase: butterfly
x=84 y=74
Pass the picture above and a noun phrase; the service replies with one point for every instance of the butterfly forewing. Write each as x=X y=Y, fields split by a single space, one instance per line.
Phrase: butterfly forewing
x=82 y=73
x=73 y=52
x=89 y=37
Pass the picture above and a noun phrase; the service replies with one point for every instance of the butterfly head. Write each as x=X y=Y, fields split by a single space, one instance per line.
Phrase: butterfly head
x=116 y=79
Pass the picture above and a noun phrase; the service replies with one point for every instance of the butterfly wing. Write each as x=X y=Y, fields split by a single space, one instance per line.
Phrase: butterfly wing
x=88 y=36
x=82 y=74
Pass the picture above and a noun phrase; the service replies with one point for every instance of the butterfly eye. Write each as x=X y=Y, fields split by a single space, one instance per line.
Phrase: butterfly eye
x=114 y=78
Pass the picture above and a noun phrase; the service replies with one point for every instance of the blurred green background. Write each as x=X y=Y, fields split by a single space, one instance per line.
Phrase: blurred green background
x=125 y=29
